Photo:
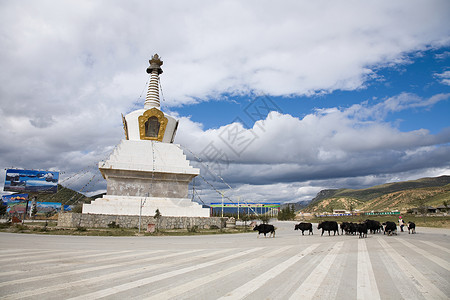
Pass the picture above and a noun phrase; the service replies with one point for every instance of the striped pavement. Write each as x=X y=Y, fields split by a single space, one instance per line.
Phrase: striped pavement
x=239 y=266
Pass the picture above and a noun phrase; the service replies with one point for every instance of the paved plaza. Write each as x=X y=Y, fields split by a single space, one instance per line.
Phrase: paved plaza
x=232 y=266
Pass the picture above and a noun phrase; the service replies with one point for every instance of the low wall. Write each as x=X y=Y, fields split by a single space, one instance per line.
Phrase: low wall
x=102 y=221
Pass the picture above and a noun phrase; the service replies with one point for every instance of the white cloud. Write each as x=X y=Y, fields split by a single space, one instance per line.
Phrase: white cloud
x=70 y=68
x=323 y=146
x=443 y=55
x=208 y=48
x=444 y=77
x=327 y=135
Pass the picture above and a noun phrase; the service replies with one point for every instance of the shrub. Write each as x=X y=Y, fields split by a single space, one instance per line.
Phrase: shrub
x=5 y=225
x=78 y=208
x=20 y=228
x=113 y=225
x=193 y=229
x=81 y=228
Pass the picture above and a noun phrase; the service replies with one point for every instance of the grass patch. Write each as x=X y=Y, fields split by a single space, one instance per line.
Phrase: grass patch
x=197 y=231
x=4 y=226
x=20 y=228
x=114 y=231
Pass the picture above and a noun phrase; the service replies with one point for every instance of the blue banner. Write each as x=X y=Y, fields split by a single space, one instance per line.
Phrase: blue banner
x=14 y=197
x=31 y=181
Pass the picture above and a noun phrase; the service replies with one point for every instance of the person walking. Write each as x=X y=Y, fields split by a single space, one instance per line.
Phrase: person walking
x=401 y=223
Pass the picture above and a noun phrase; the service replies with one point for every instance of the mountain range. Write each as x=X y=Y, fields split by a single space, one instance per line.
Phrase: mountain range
x=431 y=191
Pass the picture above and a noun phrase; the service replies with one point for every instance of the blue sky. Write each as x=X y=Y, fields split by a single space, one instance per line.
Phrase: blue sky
x=409 y=86
x=416 y=76
x=359 y=90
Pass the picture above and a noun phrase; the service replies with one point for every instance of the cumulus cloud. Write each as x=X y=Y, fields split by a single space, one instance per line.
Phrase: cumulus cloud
x=67 y=50
x=70 y=68
x=325 y=135
x=322 y=146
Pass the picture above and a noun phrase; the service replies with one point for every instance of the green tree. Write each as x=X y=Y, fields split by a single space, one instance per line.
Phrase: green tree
x=282 y=214
x=33 y=211
x=264 y=218
x=287 y=213
x=423 y=209
x=48 y=215
x=3 y=208
x=292 y=212
x=245 y=218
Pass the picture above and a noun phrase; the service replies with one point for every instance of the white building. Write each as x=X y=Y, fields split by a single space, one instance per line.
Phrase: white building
x=147 y=171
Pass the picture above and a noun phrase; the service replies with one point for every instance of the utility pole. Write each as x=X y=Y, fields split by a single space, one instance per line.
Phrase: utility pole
x=221 y=192
x=193 y=189
x=239 y=198
x=140 y=213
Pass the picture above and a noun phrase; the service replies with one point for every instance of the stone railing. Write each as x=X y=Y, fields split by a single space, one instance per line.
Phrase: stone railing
x=102 y=221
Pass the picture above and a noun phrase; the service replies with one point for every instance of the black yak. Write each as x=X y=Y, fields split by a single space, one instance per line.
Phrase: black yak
x=411 y=227
x=329 y=226
x=265 y=228
x=304 y=226
x=390 y=228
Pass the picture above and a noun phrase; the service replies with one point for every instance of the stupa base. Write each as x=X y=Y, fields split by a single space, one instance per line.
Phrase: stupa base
x=129 y=205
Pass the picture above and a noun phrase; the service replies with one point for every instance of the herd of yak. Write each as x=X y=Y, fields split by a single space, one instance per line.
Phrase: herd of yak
x=350 y=228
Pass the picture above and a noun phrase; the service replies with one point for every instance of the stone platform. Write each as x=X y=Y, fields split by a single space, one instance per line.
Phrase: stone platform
x=74 y=220
x=129 y=206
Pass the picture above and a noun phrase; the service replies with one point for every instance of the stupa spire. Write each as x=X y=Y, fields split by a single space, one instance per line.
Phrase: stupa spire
x=152 y=99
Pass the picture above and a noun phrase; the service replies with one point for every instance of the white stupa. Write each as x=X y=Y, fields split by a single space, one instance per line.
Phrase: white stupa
x=146 y=167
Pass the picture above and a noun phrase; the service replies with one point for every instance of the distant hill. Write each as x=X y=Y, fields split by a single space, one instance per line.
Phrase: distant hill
x=64 y=195
x=297 y=206
x=398 y=195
